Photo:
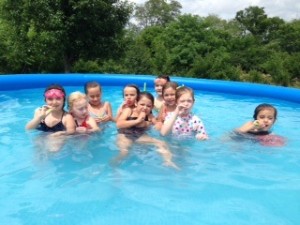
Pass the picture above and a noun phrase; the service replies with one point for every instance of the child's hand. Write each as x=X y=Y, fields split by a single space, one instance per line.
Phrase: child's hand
x=142 y=116
x=201 y=136
x=181 y=109
x=258 y=125
x=43 y=112
x=81 y=130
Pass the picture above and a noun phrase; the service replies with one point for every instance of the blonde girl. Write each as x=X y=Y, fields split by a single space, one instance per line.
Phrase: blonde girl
x=182 y=122
x=78 y=107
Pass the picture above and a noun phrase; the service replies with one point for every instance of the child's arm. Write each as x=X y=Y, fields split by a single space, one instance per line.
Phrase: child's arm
x=108 y=110
x=69 y=124
x=39 y=115
x=123 y=123
x=200 y=129
x=168 y=124
x=251 y=125
x=93 y=125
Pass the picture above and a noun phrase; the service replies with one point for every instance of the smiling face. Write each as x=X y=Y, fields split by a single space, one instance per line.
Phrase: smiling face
x=169 y=96
x=56 y=103
x=266 y=116
x=94 y=95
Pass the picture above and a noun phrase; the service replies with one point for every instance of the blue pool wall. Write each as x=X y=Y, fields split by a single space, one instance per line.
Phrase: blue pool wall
x=28 y=81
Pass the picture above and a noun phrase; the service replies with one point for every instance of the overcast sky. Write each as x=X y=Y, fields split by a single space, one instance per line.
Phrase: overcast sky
x=226 y=9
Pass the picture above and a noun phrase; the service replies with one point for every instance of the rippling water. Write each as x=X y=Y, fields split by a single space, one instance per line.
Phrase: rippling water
x=221 y=181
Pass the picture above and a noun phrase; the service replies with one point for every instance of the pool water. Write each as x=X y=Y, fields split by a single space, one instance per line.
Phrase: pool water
x=221 y=181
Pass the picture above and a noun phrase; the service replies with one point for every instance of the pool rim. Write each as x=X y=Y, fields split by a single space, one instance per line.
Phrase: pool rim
x=10 y=82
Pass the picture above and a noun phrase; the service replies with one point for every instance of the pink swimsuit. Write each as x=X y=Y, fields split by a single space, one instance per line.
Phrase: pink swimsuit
x=188 y=125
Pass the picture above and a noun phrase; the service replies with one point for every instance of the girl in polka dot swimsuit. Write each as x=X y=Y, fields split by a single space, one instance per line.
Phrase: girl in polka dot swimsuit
x=182 y=121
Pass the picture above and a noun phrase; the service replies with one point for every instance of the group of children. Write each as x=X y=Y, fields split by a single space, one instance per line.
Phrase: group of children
x=173 y=105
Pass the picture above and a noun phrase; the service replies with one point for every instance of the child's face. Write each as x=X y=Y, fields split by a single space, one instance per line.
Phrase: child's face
x=266 y=117
x=80 y=108
x=169 y=96
x=144 y=105
x=130 y=95
x=56 y=103
x=159 y=84
x=94 y=96
x=186 y=101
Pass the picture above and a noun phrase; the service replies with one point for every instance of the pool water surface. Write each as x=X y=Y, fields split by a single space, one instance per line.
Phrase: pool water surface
x=220 y=181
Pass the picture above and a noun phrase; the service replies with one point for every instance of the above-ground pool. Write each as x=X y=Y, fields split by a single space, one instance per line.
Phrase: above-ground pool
x=220 y=181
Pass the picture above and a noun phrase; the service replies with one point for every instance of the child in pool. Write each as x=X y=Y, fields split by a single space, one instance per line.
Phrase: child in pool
x=133 y=124
x=78 y=107
x=100 y=111
x=52 y=117
x=159 y=83
x=130 y=95
x=264 y=117
x=169 y=105
x=182 y=122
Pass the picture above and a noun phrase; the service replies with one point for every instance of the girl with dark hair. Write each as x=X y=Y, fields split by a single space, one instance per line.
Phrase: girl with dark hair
x=52 y=117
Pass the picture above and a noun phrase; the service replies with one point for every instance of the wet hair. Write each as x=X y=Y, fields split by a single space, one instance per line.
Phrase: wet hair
x=147 y=95
x=75 y=96
x=182 y=90
x=58 y=87
x=169 y=84
x=135 y=87
x=92 y=84
x=262 y=107
x=165 y=77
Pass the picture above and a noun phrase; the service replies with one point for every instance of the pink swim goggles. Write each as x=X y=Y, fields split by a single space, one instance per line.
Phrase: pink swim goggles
x=54 y=93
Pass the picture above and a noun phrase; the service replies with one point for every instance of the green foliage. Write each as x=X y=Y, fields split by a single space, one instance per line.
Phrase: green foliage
x=156 y=13
x=90 y=36
x=54 y=34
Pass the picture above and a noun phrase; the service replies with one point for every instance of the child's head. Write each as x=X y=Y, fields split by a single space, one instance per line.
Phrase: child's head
x=168 y=93
x=160 y=82
x=55 y=95
x=266 y=114
x=131 y=93
x=93 y=91
x=78 y=104
x=145 y=102
x=185 y=96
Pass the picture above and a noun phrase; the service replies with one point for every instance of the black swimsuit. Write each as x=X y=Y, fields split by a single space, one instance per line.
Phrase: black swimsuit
x=57 y=127
x=133 y=132
x=259 y=132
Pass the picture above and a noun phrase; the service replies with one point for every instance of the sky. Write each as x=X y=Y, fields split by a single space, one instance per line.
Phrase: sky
x=227 y=9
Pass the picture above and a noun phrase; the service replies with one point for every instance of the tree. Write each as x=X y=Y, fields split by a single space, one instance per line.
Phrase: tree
x=253 y=20
x=48 y=32
x=157 y=12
